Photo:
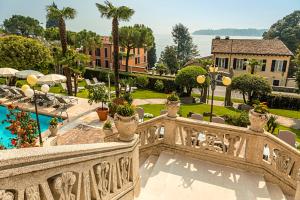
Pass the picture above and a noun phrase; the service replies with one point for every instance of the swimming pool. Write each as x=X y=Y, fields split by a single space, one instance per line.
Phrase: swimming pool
x=6 y=136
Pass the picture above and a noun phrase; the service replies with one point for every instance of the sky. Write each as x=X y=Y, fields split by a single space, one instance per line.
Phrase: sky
x=162 y=15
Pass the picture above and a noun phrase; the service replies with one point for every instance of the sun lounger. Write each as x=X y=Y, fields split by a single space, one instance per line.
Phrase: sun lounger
x=89 y=83
x=15 y=93
x=97 y=82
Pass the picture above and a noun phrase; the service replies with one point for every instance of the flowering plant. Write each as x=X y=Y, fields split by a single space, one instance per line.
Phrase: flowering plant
x=21 y=125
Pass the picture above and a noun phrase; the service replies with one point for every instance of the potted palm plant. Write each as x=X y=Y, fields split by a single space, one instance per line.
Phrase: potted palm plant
x=99 y=94
x=126 y=121
x=172 y=105
x=53 y=126
x=258 y=117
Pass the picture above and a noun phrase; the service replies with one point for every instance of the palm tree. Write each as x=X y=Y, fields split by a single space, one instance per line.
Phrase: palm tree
x=54 y=13
x=253 y=63
x=117 y=14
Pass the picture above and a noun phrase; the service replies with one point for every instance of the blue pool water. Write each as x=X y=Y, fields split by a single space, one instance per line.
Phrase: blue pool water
x=6 y=136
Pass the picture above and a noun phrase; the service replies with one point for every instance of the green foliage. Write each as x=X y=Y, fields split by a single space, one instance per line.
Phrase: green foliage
x=272 y=124
x=287 y=30
x=128 y=97
x=142 y=81
x=238 y=119
x=253 y=86
x=50 y=23
x=53 y=121
x=107 y=125
x=21 y=25
x=169 y=59
x=254 y=64
x=282 y=101
x=98 y=94
x=186 y=78
x=161 y=68
x=186 y=50
x=261 y=108
x=88 y=40
x=23 y=53
x=152 y=59
x=126 y=110
x=159 y=85
x=173 y=97
x=298 y=78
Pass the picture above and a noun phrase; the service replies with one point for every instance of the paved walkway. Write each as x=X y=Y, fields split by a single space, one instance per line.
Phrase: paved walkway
x=285 y=121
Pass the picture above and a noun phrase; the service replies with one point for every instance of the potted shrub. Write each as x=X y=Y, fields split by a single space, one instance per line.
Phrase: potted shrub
x=53 y=126
x=172 y=105
x=107 y=127
x=99 y=94
x=126 y=121
x=258 y=117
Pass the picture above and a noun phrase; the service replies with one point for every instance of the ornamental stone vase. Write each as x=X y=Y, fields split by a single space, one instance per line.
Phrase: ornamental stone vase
x=126 y=126
x=173 y=108
x=257 y=121
x=53 y=130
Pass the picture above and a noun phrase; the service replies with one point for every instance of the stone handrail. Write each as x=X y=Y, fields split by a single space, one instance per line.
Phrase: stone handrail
x=224 y=144
x=91 y=171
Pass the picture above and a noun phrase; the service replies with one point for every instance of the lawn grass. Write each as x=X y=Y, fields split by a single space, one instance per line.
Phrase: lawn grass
x=219 y=98
x=286 y=113
x=148 y=94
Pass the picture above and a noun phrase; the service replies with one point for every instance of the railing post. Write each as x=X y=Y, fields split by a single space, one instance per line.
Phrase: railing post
x=297 y=194
x=170 y=130
x=254 y=147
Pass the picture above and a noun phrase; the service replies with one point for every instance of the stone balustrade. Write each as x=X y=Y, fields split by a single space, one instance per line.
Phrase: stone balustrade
x=92 y=171
x=224 y=144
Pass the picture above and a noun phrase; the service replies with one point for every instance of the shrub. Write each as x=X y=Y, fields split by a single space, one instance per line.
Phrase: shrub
x=186 y=78
x=261 y=108
x=280 y=101
x=173 y=97
x=142 y=81
x=126 y=110
x=107 y=125
x=114 y=104
x=98 y=94
x=53 y=122
x=159 y=85
x=128 y=97
x=272 y=124
x=241 y=119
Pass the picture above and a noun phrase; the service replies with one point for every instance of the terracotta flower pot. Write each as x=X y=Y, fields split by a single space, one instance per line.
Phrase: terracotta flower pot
x=257 y=121
x=53 y=130
x=173 y=108
x=102 y=113
x=126 y=126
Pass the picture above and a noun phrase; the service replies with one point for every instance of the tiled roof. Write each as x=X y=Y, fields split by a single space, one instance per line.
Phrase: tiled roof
x=250 y=46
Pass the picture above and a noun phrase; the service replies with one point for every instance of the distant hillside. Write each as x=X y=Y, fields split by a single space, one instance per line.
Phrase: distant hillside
x=231 y=32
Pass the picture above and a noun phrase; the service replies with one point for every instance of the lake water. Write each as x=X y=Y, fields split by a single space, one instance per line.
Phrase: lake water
x=203 y=42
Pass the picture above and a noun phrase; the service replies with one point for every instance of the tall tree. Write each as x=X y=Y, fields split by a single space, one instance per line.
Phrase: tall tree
x=287 y=30
x=254 y=64
x=62 y=15
x=298 y=79
x=186 y=50
x=117 y=14
x=138 y=36
x=152 y=59
x=169 y=58
x=52 y=23
x=88 y=40
x=21 y=25
x=52 y=34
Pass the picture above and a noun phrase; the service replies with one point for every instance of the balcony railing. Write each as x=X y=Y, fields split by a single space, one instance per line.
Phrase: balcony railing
x=224 y=144
x=93 y=171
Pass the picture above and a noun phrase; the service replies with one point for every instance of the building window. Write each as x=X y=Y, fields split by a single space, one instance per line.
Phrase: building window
x=145 y=58
x=264 y=64
x=98 y=62
x=222 y=62
x=138 y=51
x=105 y=53
x=275 y=82
x=133 y=50
x=97 y=52
x=136 y=60
x=279 y=65
x=239 y=64
x=90 y=52
x=106 y=64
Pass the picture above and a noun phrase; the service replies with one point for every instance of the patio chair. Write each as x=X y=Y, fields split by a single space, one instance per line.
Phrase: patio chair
x=196 y=116
x=4 y=92
x=140 y=111
x=219 y=120
x=89 y=83
x=15 y=93
x=288 y=137
x=48 y=100
x=97 y=82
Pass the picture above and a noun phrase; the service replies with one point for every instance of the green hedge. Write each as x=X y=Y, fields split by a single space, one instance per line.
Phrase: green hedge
x=282 y=101
x=101 y=74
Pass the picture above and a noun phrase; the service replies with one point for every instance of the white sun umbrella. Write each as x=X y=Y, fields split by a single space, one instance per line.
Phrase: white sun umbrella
x=23 y=74
x=52 y=79
x=7 y=72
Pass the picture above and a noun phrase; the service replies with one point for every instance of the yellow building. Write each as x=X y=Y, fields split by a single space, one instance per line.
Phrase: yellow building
x=234 y=53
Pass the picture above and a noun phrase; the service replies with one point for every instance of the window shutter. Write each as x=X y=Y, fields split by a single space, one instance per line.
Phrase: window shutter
x=244 y=64
x=226 y=63
x=217 y=62
x=263 y=68
x=284 y=66
x=273 y=65
x=234 y=63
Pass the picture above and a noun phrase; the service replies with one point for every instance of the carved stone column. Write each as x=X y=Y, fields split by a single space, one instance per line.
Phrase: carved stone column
x=170 y=131
x=297 y=195
x=254 y=147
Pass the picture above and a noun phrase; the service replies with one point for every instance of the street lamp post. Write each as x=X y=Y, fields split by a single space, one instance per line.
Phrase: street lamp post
x=32 y=80
x=212 y=74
